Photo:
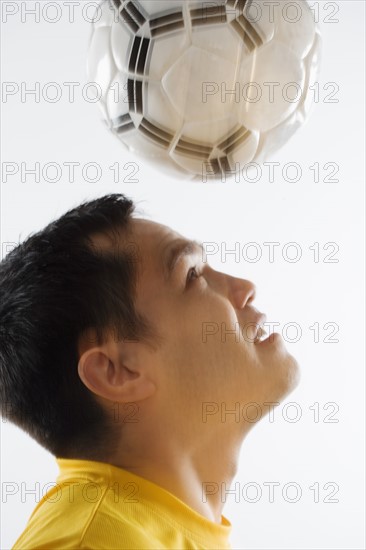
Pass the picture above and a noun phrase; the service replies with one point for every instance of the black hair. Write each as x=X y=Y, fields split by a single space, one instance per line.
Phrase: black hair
x=54 y=287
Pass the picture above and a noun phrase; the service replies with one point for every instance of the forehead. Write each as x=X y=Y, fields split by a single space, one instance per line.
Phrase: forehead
x=144 y=239
x=150 y=238
x=150 y=242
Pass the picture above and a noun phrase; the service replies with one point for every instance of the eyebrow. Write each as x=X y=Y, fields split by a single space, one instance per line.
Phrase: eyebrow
x=178 y=251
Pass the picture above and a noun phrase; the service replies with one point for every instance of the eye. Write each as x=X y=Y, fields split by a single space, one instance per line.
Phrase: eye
x=192 y=274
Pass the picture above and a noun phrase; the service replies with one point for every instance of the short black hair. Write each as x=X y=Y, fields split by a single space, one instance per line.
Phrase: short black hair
x=53 y=287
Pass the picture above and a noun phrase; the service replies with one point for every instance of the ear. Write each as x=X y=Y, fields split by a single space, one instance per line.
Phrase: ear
x=115 y=372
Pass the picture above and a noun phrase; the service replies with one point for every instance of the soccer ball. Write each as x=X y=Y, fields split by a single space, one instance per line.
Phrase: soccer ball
x=203 y=88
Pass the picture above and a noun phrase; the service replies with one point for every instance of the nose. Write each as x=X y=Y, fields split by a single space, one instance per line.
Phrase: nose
x=241 y=292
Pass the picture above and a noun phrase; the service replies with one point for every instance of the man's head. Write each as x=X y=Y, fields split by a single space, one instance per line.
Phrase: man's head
x=102 y=309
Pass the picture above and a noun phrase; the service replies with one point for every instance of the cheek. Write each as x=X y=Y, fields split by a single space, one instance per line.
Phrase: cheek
x=219 y=318
x=200 y=332
x=195 y=328
x=204 y=314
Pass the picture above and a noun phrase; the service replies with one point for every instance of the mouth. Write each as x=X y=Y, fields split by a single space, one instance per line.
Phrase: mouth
x=255 y=331
x=260 y=336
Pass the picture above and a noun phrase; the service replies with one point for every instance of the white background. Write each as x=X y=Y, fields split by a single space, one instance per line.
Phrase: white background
x=307 y=292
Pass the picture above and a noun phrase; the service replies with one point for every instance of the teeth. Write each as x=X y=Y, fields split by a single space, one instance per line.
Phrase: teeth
x=260 y=334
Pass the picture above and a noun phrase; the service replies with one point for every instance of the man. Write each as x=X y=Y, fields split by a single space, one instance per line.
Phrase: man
x=118 y=345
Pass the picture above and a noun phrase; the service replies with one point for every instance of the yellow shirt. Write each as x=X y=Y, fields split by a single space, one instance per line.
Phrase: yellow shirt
x=95 y=505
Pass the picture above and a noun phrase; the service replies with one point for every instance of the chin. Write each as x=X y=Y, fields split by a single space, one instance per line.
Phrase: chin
x=280 y=367
x=289 y=376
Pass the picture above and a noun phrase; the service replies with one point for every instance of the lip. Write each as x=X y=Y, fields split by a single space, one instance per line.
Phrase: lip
x=272 y=338
x=252 y=327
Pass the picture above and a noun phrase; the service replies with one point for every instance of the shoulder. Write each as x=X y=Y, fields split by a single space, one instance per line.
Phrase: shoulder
x=85 y=515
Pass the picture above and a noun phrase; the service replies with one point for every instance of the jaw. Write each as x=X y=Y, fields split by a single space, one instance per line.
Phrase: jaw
x=263 y=373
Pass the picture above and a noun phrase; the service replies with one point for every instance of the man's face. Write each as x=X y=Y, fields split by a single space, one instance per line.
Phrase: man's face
x=208 y=325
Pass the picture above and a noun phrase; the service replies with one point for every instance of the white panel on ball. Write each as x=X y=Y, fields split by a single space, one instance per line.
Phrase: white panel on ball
x=187 y=70
x=272 y=86
x=186 y=85
x=159 y=7
x=117 y=98
x=121 y=42
x=104 y=15
x=161 y=111
x=165 y=53
x=223 y=43
x=102 y=67
x=295 y=26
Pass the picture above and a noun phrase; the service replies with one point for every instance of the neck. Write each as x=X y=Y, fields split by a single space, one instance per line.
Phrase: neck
x=198 y=474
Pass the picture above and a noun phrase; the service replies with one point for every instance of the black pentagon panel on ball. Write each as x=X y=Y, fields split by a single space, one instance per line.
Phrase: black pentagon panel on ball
x=156 y=134
x=218 y=167
x=132 y=16
x=208 y=15
x=123 y=123
x=234 y=140
x=166 y=23
x=193 y=149
x=139 y=54
x=135 y=96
